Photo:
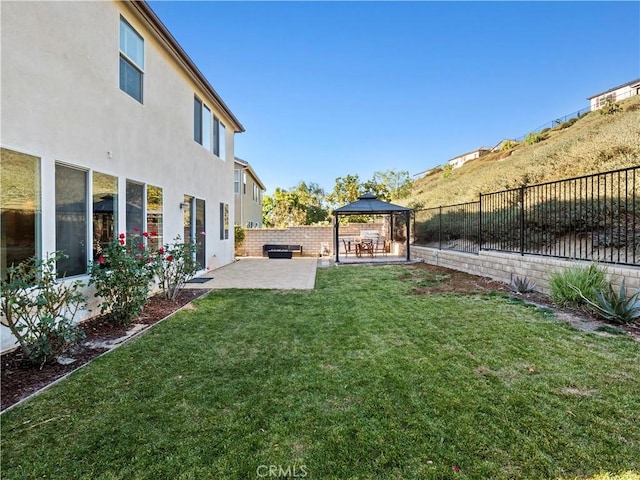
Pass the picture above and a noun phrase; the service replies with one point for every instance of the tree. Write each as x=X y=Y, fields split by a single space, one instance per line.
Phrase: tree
x=302 y=205
x=397 y=185
x=312 y=197
x=307 y=203
x=346 y=190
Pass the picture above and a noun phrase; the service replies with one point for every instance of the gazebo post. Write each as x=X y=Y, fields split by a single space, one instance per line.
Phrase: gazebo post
x=336 y=239
x=391 y=239
x=408 y=239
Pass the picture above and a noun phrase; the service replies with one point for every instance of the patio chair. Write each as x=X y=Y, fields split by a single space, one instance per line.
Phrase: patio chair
x=347 y=241
x=381 y=245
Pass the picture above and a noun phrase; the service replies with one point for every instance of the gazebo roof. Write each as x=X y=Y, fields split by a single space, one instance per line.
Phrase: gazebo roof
x=368 y=204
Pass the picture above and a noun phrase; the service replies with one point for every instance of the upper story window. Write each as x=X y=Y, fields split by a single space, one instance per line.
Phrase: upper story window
x=208 y=130
x=202 y=131
x=236 y=180
x=131 y=60
x=219 y=136
x=222 y=142
x=206 y=127
x=197 y=120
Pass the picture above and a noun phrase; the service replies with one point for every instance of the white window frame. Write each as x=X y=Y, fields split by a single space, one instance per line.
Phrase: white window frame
x=124 y=55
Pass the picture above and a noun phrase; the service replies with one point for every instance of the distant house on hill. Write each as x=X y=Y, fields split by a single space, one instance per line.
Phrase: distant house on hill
x=616 y=94
x=465 y=157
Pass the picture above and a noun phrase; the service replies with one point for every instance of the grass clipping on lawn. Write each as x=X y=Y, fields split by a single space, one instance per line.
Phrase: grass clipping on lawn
x=359 y=378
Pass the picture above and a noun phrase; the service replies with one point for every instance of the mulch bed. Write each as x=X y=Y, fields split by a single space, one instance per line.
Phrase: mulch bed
x=20 y=378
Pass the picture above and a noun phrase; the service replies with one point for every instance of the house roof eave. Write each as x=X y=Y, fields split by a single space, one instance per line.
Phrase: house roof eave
x=147 y=13
x=247 y=166
x=632 y=82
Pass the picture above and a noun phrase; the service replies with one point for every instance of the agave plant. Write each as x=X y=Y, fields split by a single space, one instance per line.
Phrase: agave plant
x=522 y=285
x=615 y=306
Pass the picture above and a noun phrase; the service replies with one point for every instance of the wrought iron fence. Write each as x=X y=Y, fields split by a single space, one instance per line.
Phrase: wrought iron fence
x=558 y=122
x=452 y=227
x=594 y=217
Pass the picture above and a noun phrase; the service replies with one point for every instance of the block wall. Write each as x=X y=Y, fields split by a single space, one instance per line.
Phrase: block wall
x=310 y=237
x=503 y=266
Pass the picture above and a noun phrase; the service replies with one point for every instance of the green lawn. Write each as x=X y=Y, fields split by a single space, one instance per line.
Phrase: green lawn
x=358 y=379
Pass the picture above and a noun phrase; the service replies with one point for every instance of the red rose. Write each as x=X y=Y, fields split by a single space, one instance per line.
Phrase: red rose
x=170 y=258
x=456 y=469
x=161 y=250
x=136 y=229
x=154 y=234
x=121 y=242
x=145 y=234
x=139 y=257
x=141 y=246
x=122 y=235
x=101 y=260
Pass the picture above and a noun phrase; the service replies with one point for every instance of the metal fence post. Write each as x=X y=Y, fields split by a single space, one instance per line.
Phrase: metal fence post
x=522 y=193
x=440 y=228
x=480 y=222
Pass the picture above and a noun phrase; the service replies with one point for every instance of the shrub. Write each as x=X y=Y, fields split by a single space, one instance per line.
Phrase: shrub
x=615 y=306
x=122 y=276
x=522 y=285
x=610 y=107
x=175 y=265
x=508 y=145
x=39 y=310
x=569 y=286
x=239 y=235
x=568 y=123
x=534 y=137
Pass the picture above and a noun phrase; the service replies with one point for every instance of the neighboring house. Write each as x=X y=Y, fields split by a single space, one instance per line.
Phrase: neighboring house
x=248 y=190
x=616 y=94
x=108 y=127
x=465 y=157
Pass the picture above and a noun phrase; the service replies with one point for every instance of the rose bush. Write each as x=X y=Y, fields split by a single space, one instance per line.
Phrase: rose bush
x=175 y=265
x=122 y=276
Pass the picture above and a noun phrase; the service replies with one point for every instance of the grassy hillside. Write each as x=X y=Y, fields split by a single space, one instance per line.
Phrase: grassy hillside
x=594 y=143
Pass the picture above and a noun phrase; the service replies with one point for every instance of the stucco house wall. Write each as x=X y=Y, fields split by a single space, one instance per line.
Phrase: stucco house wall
x=465 y=157
x=61 y=103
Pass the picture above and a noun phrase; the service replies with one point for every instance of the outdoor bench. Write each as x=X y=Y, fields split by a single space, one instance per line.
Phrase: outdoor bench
x=281 y=251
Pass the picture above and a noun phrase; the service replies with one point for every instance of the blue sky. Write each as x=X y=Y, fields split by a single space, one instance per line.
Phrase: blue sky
x=328 y=89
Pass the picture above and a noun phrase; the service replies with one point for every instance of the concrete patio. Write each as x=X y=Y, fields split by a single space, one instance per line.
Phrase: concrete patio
x=256 y=272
